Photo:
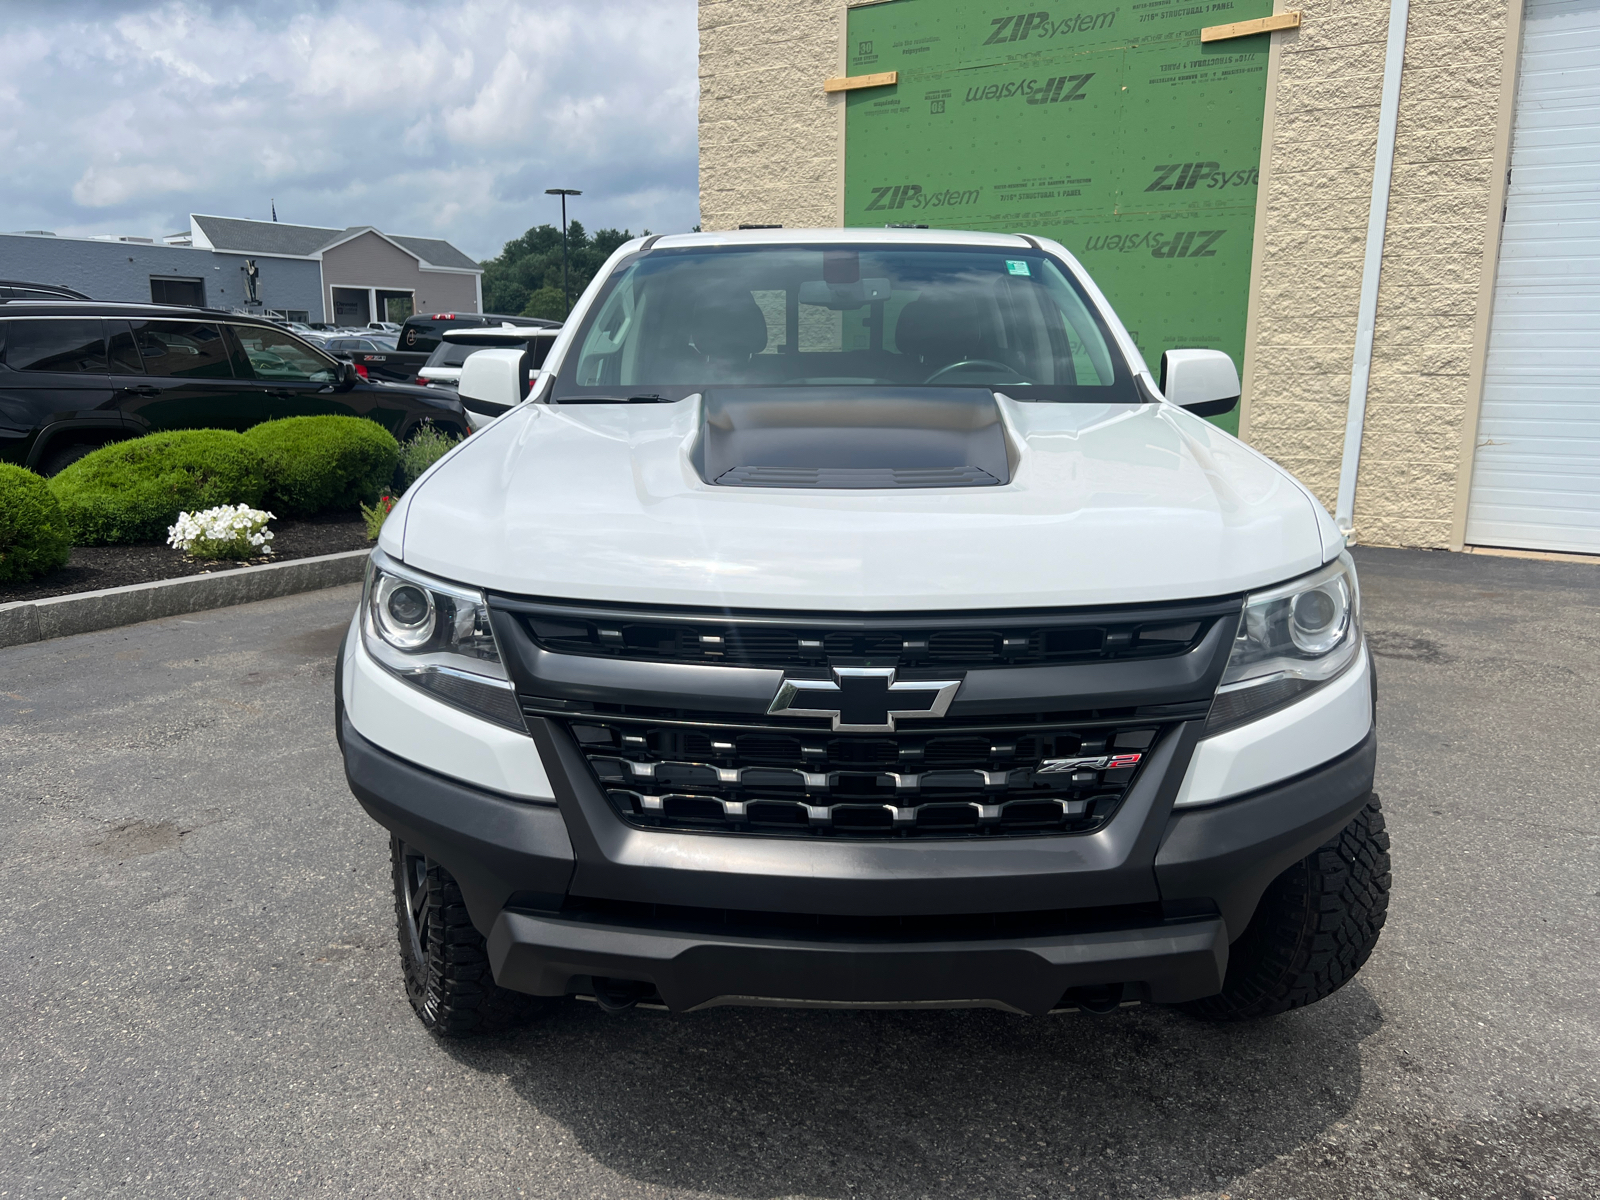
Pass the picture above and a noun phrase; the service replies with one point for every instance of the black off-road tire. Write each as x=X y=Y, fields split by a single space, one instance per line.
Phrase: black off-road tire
x=1314 y=928
x=445 y=960
x=58 y=460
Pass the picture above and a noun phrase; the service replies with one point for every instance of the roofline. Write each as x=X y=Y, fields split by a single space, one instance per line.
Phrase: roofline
x=423 y=264
x=365 y=229
x=296 y=224
x=863 y=235
x=264 y=254
x=426 y=265
x=76 y=237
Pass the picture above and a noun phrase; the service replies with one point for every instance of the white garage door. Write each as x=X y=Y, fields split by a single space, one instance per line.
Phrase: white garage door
x=1536 y=481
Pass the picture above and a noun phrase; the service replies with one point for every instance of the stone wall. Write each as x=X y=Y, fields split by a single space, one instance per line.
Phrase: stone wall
x=771 y=142
x=1314 y=212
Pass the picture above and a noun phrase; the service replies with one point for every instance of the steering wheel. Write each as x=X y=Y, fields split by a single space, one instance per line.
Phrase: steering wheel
x=973 y=362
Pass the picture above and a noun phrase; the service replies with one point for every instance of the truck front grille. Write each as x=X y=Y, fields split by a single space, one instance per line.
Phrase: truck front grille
x=785 y=780
x=781 y=643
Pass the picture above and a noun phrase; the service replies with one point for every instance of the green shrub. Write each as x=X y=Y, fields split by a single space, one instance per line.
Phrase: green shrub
x=319 y=463
x=420 y=451
x=133 y=491
x=33 y=533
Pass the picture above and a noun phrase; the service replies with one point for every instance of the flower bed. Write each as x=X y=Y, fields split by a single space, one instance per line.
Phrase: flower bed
x=205 y=490
x=91 y=568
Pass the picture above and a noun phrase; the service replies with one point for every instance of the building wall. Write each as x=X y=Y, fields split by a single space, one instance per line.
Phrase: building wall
x=369 y=261
x=771 y=141
x=1312 y=239
x=771 y=151
x=122 y=271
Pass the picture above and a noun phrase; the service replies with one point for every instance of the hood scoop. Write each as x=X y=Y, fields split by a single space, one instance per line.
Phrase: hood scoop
x=851 y=437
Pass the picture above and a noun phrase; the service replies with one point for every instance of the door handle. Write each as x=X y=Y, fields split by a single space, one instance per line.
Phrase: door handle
x=141 y=389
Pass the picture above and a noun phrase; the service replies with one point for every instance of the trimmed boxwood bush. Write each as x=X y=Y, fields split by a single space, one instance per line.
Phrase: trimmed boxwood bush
x=33 y=533
x=320 y=463
x=132 y=491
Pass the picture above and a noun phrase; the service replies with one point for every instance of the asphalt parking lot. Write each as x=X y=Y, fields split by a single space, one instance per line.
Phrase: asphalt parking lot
x=202 y=994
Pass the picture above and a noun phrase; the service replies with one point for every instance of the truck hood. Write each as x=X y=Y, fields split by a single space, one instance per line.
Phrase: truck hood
x=1105 y=504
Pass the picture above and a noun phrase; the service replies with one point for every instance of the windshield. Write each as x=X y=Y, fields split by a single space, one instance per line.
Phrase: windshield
x=450 y=354
x=676 y=321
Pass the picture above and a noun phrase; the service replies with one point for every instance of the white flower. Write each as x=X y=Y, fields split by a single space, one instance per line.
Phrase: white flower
x=223 y=531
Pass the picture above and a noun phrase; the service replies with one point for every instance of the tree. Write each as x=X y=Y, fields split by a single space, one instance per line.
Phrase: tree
x=546 y=302
x=526 y=277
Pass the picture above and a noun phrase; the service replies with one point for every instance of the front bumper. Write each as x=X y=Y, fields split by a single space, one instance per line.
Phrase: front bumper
x=1150 y=902
x=699 y=968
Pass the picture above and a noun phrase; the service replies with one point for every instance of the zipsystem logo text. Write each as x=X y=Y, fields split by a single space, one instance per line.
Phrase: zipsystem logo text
x=911 y=195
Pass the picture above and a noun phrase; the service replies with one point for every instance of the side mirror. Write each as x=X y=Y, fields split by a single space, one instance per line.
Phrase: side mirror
x=348 y=375
x=493 y=381
x=1202 y=381
x=534 y=341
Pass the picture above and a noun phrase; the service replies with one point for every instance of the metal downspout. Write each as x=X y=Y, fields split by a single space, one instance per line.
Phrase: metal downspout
x=1377 y=219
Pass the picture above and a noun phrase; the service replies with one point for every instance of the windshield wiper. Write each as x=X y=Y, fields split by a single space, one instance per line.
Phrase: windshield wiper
x=652 y=399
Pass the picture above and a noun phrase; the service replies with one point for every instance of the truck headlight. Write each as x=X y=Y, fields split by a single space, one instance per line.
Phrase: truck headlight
x=436 y=636
x=1292 y=639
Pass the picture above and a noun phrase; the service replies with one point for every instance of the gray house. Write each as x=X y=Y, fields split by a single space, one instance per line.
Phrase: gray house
x=365 y=275
x=301 y=272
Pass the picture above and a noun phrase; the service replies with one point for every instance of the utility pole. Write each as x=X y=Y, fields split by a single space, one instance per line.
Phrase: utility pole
x=566 y=291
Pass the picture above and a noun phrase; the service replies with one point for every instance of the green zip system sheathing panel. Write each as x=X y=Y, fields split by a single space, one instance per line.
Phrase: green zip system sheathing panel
x=1110 y=128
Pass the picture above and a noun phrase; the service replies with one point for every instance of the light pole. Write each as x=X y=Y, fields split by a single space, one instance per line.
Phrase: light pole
x=566 y=292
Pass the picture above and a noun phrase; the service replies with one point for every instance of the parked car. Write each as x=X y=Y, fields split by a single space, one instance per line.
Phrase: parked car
x=420 y=336
x=76 y=375
x=853 y=618
x=16 y=289
x=384 y=326
x=372 y=358
x=346 y=344
x=443 y=368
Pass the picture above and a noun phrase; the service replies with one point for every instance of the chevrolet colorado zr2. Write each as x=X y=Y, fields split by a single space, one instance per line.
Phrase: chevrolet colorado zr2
x=852 y=618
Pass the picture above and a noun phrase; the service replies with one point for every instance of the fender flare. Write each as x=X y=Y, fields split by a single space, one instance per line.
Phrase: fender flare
x=52 y=433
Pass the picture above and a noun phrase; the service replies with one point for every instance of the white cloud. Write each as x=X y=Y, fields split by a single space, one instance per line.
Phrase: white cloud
x=123 y=118
x=115 y=184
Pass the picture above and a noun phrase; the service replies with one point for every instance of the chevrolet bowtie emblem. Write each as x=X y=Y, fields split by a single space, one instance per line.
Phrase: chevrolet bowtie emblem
x=864 y=699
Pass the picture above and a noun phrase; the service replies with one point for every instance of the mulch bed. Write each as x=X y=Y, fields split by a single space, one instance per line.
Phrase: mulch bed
x=94 y=567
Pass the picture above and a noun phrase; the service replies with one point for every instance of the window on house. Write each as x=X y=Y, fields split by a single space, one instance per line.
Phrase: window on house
x=167 y=290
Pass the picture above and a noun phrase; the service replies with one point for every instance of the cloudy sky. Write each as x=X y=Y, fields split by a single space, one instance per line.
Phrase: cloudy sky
x=429 y=119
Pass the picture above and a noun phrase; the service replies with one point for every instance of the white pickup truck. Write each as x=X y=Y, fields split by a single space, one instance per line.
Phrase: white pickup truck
x=852 y=618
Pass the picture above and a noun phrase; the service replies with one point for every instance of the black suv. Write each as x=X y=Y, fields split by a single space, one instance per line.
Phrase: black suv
x=75 y=375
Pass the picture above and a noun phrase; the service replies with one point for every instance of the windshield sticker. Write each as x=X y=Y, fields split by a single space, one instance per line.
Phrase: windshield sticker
x=1017 y=266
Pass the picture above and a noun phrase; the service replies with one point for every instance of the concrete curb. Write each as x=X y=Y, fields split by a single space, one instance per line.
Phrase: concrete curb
x=24 y=621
